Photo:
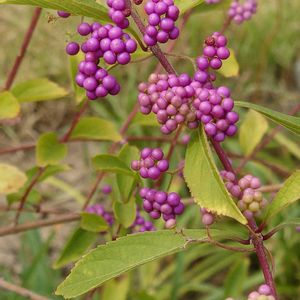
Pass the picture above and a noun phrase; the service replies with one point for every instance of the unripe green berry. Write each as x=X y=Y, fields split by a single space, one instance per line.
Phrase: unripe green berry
x=254 y=207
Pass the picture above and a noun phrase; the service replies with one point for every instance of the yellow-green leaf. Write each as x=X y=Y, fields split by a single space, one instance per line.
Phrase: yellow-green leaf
x=204 y=181
x=288 y=194
x=49 y=151
x=93 y=222
x=125 y=212
x=230 y=66
x=9 y=106
x=96 y=129
x=40 y=89
x=252 y=130
x=11 y=179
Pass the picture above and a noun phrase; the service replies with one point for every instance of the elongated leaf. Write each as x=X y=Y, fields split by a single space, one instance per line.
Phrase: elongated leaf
x=93 y=222
x=116 y=289
x=9 y=106
x=289 y=122
x=49 y=151
x=88 y=8
x=78 y=243
x=293 y=147
x=185 y=5
x=40 y=89
x=127 y=183
x=96 y=129
x=11 y=179
x=117 y=257
x=125 y=213
x=145 y=120
x=288 y=194
x=204 y=181
x=111 y=163
x=252 y=130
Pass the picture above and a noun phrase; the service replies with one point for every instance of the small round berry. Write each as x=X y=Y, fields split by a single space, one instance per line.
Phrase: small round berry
x=63 y=14
x=72 y=48
x=84 y=29
x=106 y=189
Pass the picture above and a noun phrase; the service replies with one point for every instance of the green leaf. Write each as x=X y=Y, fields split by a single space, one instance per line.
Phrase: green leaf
x=117 y=257
x=126 y=184
x=204 y=181
x=96 y=129
x=237 y=275
x=204 y=7
x=74 y=62
x=230 y=66
x=77 y=244
x=288 y=194
x=34 y=197
x=93 y=222
x=49 y=151
x=9 y=106
x=185 y=5
x=111 y=163
x=125 y=213
x=144 y=120
x=252 y=131
x=40 y=89
x=11 y=179
x=288 y=144
x=88 y=8
x=290 y=122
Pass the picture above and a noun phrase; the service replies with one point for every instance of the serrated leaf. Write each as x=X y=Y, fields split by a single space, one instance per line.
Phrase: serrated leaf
x=252 y=130
x=11 y=179
x=93 y=222
x=288 y=194
x=96 y=129
x=117 y=257
x=49 y=151
x=111 y=163
x=289 y=122
x=125 y=213
x=127 y=183
x=230 y=66
x=185 y=5
x=204 y=181
x=77 y=244
x=9 y=106
x=88 y=8
x=40 y=89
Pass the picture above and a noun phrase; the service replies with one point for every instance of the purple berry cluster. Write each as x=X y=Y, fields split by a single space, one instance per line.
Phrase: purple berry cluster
x=141 y=225
x=241 y=12
x=118 y=12
x=214 y=52
x=162 y=15
x=251 y=200
x=151 y=164
x=63 y=14
x=98 y=209
x=106 y=189
x=207 y=217
x=108 y=42
x=263 y=293
x=159 y=203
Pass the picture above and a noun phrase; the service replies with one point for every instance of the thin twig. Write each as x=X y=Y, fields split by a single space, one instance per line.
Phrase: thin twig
x=27 y=38
x=8 y=230
x=20 y=290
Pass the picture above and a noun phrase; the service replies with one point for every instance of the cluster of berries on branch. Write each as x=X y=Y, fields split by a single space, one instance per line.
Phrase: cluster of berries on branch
x=251 y=200
x=241 y=12
x=151 y=163
x=161 y=204
x=108 y=42
x=162 y=15
x=263 y=293
x=118 y=12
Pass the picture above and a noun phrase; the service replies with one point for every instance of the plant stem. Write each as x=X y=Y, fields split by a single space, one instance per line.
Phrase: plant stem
x=258 y=243
x=27 y=38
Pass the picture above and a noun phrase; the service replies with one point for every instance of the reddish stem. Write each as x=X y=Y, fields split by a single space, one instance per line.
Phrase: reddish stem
x=27 y=38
